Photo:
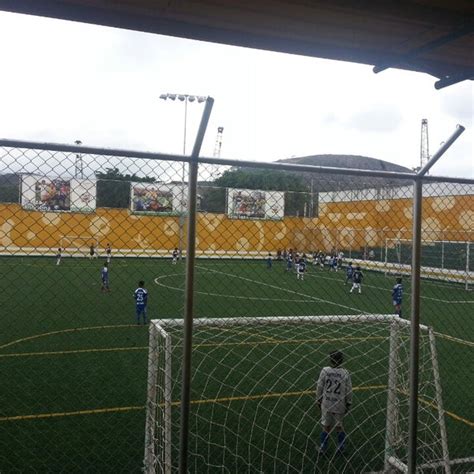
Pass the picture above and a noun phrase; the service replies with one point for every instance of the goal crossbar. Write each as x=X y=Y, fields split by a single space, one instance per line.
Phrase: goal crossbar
x=257 y=320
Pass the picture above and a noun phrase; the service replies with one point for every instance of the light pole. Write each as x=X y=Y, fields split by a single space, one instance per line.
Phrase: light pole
x=183 y=98
x=78 y=164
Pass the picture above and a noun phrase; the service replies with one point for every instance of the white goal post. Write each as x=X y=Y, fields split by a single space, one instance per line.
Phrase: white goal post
x=253 y=394
x=78 y=245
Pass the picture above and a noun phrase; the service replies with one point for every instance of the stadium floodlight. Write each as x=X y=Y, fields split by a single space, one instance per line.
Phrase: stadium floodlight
x=184 y=98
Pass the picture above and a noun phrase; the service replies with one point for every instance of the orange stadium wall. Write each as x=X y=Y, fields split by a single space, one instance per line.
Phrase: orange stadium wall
x=340 y=225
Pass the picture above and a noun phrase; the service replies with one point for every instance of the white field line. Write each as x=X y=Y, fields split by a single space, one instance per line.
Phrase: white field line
x=320 y=274
x=314 y=298
x=389 y=289
x=157 y=281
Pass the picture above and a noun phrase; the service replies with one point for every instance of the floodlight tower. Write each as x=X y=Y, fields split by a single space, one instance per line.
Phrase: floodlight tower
x=218 y=145
x=78 y=164
x=424 y=147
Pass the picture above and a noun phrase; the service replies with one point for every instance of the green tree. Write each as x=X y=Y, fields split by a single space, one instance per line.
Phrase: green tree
x=113 y=187
x=9 y=188
x=297 y=197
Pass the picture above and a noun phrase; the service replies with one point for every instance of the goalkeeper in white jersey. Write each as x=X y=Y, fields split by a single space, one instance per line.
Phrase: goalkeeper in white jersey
x=334 y=398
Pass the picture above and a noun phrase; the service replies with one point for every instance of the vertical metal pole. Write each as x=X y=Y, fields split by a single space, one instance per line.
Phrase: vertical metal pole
x=442 y=254
x=392 y=407
x=415 y=325
x=183 y=174
x=439 y=401
x=185 y=128
x=189 y=289
x=150 y=417
x=468 y=256
x=415 y=298
x=168 y=379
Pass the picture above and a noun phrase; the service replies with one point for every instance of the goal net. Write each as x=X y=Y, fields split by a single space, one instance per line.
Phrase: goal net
x=78 y=246
x=440 y=260
x=253 y=406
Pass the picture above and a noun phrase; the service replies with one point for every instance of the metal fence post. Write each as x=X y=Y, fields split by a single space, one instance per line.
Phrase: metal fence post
x=415 y=299
x=189 y=288
x=415 y=325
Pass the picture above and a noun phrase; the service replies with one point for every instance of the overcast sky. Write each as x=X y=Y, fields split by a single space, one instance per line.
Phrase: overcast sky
x=62 y=81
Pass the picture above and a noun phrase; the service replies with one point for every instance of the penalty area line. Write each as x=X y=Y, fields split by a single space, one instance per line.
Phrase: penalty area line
x=99 y=411
x=214 y=400
x=65 y=331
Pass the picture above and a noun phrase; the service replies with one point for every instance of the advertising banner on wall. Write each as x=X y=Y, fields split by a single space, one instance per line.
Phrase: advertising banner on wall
x=148 y=198
x=255 y=204
x=40 y=193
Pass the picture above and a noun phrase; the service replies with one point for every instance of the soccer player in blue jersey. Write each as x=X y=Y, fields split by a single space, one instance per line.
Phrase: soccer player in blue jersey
x=105 y=278
x=269 y=261
x=333 y=263
x=300 y=270
x=289 y=262
x=349 y=272
x=397 y=294
x=357 y=277
x=175 y=255
x=141 y=301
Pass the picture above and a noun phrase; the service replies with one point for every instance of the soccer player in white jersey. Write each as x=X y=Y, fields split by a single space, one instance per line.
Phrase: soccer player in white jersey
x=334 y=398
x=58 y=256
x=175 y=256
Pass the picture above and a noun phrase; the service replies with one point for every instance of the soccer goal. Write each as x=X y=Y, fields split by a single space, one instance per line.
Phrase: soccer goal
x=253 y=405
x=78 y=246
x=440 y=260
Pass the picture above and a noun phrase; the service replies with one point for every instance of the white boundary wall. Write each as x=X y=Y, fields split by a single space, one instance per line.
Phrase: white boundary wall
x=401 y=192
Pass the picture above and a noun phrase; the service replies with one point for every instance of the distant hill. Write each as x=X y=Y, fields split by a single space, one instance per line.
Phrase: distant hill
x=332 y=182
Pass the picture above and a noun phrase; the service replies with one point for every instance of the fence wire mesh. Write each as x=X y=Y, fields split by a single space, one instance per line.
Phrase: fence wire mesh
x=93 y=247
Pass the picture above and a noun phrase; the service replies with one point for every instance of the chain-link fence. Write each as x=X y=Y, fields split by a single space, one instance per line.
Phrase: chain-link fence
x=292 y=263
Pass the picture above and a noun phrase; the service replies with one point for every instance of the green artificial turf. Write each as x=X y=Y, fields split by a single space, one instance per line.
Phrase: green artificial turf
x=73 y=365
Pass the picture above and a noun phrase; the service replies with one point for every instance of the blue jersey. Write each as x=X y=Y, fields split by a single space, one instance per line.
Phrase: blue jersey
x=105 y=274
x=141 y=296
x=397 y=293
x=349 y=271
x=357 y=276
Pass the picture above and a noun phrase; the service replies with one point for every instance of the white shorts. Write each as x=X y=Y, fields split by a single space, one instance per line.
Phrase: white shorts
x=332 y=419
